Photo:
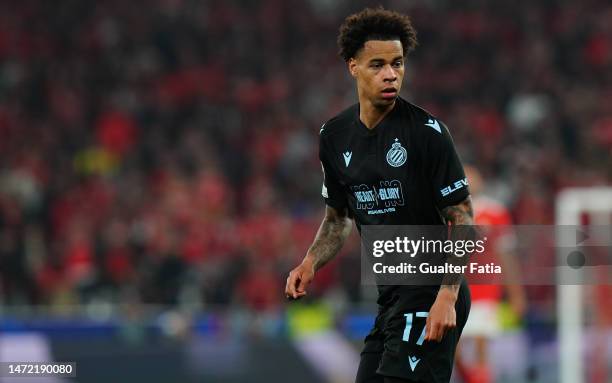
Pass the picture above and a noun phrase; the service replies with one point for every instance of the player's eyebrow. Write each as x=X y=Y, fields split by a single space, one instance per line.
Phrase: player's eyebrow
x=380 y=60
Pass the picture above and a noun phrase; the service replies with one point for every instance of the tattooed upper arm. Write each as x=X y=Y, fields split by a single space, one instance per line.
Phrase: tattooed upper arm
x=460 y=214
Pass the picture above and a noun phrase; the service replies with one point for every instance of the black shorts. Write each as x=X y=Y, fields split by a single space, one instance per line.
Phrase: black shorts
x=395 y=346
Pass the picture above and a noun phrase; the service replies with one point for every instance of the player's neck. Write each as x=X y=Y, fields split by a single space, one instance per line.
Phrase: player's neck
x=371 y=115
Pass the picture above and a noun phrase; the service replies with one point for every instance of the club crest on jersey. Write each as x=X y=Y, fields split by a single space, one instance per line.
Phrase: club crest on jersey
x=396 y=156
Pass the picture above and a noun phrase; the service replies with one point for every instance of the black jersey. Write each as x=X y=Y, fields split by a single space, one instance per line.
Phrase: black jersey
x=401 y=172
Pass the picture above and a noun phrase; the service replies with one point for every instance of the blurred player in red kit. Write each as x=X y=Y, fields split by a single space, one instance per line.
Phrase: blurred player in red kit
x=483 y=323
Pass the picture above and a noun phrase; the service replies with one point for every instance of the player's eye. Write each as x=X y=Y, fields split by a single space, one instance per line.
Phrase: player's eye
x=376 y=65
x=398 y=64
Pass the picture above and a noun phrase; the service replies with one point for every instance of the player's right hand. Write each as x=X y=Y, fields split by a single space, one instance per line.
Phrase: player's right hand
x=298 y=280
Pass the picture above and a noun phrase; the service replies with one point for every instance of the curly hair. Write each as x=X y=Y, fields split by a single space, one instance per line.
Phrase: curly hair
x=375 y=24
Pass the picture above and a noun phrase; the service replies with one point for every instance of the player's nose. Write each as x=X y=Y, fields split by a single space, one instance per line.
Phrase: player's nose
x=389 y=74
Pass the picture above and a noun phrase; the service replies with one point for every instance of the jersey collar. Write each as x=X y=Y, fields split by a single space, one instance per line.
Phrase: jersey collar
x=372 y=132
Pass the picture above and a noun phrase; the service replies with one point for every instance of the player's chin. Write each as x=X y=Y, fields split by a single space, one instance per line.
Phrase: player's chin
x=385 y=101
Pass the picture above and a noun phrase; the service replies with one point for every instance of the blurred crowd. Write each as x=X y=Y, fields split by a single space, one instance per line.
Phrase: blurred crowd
x=166 y=151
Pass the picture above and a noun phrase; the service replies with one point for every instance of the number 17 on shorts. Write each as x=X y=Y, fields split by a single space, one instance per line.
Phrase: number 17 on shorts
x=410 y=317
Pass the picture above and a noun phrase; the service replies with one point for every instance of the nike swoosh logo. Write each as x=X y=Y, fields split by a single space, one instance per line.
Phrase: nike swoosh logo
x=434 y=124
x=347 y=158
x=413 y=360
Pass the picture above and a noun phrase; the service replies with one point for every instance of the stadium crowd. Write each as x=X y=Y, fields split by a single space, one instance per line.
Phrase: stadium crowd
x=168 y=152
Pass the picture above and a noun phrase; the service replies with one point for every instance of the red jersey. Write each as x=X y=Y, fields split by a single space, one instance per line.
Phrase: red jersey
x=488 y=212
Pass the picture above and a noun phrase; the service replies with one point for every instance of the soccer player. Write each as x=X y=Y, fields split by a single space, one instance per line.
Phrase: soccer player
x=386 y=142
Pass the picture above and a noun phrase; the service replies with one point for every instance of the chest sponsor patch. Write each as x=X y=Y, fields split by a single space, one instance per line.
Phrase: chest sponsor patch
x=379 y=199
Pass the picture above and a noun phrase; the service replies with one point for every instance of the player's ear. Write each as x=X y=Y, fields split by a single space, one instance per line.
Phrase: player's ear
x=352 y=67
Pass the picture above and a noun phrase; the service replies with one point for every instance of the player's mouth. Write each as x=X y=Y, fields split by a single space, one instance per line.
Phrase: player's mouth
x=389 y=93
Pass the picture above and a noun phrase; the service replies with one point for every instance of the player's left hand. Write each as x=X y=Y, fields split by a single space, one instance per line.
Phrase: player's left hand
x=442 y=316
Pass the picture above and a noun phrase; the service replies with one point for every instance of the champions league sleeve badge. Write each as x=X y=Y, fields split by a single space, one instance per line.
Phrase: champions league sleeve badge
x=396 y=156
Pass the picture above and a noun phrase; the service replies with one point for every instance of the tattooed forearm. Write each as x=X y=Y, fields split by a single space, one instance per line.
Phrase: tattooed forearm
x=459 y=216
x=334 y=230
x=452 y=288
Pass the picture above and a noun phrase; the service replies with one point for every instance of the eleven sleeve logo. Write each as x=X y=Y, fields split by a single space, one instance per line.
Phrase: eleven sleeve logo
x=460 y=184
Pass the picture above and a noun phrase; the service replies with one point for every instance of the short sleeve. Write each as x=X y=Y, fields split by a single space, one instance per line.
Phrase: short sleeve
x=332 y=191
x=448 y=181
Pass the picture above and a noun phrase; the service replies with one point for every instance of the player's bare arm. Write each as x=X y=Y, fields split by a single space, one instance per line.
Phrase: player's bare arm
x=442 y=316
x=330 y=237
